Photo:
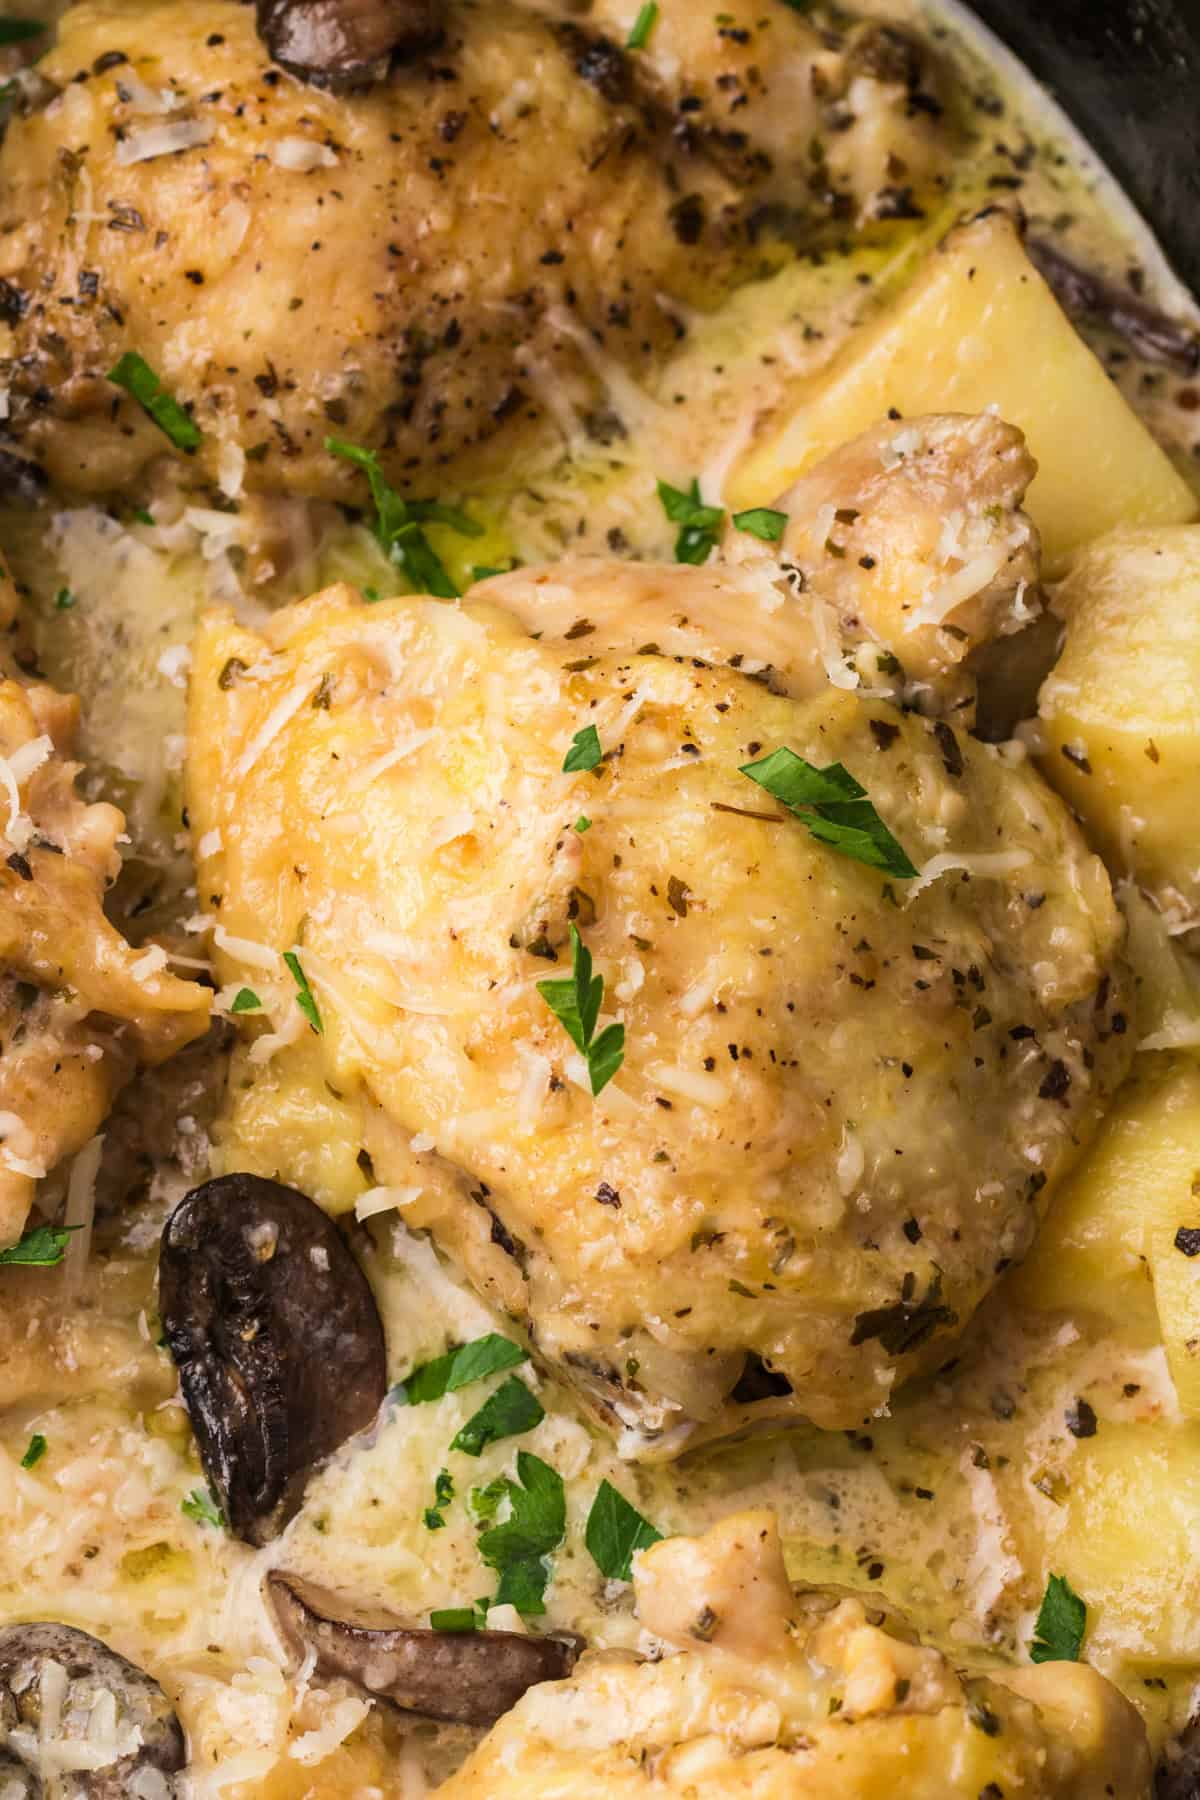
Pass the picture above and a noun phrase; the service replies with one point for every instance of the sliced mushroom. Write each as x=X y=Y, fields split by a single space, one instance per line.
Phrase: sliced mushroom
x=1151 y=332
x=277 y=1338
x=22 y=482
x=1178 y=1774
x=468 y=1677
x=346 y=43
x=80 y=1722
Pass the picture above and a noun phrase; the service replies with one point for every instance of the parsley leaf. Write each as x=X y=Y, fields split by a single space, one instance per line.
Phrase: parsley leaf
x=615 y=1529
x=833 y=807
x=582 y=824
x=585 y=752
x=762 y=522
x=454 y=1618
x=536 y=1525
x=246 y=1000
x=305 y=998
x=469 y=1362
x=398 y=524
x=64 y=600
x=508 y=1412
x=134 y=374
x=643 y=25
x=699 y=524
x=35 y=1452
x=19 y=31
x=575 y=1002
x=1061 y=1623
x=41 y=1248
x=201 y=1507
x=485 y=1501
x=443 y=1494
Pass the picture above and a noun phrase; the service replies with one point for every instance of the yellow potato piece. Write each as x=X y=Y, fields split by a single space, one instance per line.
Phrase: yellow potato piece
x=978 y=328
x=1122 y=706
x=1171 y=1205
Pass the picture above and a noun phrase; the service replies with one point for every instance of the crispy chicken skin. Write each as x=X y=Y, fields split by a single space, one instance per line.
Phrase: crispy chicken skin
x=769 y=1694
x=433 y=265
x=845 y=1100
x=79 y=1009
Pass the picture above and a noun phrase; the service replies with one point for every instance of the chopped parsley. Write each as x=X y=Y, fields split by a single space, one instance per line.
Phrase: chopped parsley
x=134 y=374
x=35 y=1452
x=246 y=1000
x=455 y=1618
x=142 y=516
x=582 y=824
x=535 y=1526
x=305 y=998
x=485 y=1501
x=511 y=1410
x=762 y=522
x=833 y=807
x=488 y=1355
x=907 y=1324
x=575 y=1001
x=43 y=1247
x=614 y=1531
x=399 y=522
x=643 y=25
x=64 y=600
x=698 y=524
x=443 y=1494
x=585 y=752
x=1061 y=1623
x=19 y=31
x=201 y=1507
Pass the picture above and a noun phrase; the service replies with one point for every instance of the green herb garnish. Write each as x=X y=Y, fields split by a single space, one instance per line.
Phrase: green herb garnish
x=201 y=1507
x=19 y=31
x=488 y=1355
x=443 y=1494
x=643 y=25
x=833 y=807
x=142 y=517
x=1061 y=1623
x=134 y=374
x=485 y=1501
x=575 y=1001
x=41 y=1248
x=585 y=752
x=455 y=1618
x=762 y=522
x=35 y=1452
x=582 y=824
x=699 y=524
x=537 y=1522
x=305 y=998
x=615 y=1530
x=511 y=1410
x=246 y=1000
x=64 y=600
x=398 y=524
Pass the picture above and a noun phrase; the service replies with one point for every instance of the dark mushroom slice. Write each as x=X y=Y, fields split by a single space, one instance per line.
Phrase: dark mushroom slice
x=1178 y=1774
x=465 y=1678
x=277 y=1338
x=54 y=1674
x=347 y=43
x=22 y=482
x=1151 y=332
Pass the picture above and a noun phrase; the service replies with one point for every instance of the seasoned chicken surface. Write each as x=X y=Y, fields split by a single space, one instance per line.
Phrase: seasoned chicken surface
x=79 y=1009
x=845 y=1098
x=766 y=1693
x=432 y=265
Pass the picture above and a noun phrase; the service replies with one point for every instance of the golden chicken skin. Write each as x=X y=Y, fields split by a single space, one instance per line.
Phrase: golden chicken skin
x=435 y=263
x=726 y=1099
x=772 y=1695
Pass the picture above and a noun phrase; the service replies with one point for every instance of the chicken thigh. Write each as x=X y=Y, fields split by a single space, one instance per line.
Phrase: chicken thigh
x=846 y=1096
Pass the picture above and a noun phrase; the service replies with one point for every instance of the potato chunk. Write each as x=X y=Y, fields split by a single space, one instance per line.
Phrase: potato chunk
x=1122 y=707
x=980 y=328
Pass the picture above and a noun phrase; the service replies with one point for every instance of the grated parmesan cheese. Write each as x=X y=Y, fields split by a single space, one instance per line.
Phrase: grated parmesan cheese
x=302 y=155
